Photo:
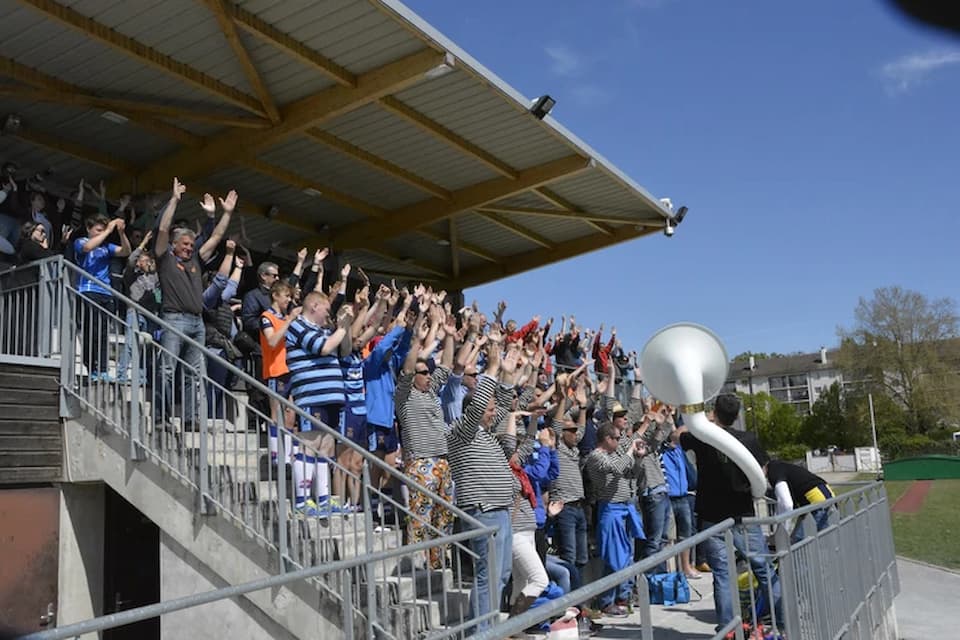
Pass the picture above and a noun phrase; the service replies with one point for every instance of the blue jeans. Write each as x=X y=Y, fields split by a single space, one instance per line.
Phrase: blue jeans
x=572 y=537
x=744 y=538
x=503 y=543
x=683 y=515
x=821 y=517
x=560 y=572
x=656 y=509
x=173 y=345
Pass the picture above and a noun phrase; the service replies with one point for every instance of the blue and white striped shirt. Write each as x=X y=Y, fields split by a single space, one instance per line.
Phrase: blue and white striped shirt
x=315 y=379
x=352 y=367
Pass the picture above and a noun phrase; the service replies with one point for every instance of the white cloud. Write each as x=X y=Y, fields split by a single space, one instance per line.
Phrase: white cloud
x=590 y=95
x=905 y=72
x=564 y=61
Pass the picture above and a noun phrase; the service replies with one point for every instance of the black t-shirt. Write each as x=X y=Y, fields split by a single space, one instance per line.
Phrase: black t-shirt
x=723 y=491
x=798 y=479
x=181 y=284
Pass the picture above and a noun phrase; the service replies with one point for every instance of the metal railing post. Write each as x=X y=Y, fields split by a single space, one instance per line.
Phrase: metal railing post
x=347 y=609
x=732 y=579
x=200 y=424
x=369 y=568
x=68 y=404
x=281 y=469
x=41 y=330
x=493 y=577
x=136 y=428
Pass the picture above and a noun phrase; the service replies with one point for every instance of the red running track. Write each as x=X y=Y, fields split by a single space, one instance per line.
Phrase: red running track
x=912 y=499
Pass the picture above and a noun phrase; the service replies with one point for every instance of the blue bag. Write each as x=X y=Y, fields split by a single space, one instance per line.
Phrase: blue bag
x=668 y=589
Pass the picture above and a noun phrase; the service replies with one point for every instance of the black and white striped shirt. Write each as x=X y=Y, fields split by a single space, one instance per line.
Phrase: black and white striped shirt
x=478 y=459
x=612 y=474
x=568 y=487
x=422 y=428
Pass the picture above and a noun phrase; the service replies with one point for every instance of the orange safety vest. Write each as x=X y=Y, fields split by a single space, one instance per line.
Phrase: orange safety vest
x=274 y=358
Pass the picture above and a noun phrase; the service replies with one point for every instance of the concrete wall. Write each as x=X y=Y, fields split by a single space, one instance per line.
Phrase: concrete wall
x=81 y=554
x=182 y=574
x=95 y=454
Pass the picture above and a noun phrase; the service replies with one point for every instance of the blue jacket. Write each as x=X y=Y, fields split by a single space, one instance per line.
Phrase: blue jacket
x=674 y=463
x=380 y=370
x=542 y=467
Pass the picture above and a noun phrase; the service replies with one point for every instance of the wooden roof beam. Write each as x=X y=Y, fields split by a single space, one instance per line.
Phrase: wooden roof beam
x=542 y=257
x=421 y=214
x=41 y=81
x=145 y=54
x=296 y=180
x=559 y=201
x=466 y=247
x=124 y=106
x=444 y=134
x=516 y=228
x=570 y=215
x=297 y=117
x=266 y=31
x=224 y=17
x=377 y=162
x=55 y=143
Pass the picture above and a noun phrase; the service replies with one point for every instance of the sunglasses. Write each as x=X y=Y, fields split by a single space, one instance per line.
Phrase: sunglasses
x=470 y=375
x=425 y=372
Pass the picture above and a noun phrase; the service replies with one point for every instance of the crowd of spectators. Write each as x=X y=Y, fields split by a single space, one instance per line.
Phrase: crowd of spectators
x=544 y=432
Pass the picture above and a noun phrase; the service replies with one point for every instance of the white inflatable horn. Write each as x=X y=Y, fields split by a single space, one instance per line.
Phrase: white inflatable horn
x=685 y=364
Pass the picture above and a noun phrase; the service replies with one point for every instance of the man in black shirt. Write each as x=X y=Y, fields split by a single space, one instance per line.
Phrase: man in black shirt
x=723 y=491
x=181 y=285
x=794 y=487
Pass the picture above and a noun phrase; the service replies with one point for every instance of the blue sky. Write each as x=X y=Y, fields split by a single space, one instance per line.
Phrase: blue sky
x=815 y=143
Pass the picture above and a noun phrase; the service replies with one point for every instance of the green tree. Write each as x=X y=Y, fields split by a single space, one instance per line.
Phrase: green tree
x=757 y=355
x=777 y=423
x=904 y=346
x=831 y=423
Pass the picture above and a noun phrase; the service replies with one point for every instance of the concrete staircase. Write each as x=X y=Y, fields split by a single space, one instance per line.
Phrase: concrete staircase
x=31 y=444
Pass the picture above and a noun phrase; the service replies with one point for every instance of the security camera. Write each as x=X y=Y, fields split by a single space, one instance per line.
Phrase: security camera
x=668 y=229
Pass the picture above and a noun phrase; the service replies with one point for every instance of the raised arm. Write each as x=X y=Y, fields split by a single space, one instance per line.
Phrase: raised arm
x=228 y=204
x=166 y=219
x=332 y=343
x=100 y=238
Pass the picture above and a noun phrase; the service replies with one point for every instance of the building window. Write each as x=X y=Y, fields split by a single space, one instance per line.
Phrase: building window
x=778 y=382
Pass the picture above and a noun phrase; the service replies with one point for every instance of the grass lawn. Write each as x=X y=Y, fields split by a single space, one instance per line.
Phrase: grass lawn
x=933 y=533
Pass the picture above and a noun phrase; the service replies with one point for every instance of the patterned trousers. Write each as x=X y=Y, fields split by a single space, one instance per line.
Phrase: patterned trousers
x=430 y=520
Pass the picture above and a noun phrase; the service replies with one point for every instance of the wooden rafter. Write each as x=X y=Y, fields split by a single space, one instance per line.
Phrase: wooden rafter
x=295 y=118
x=515 y=228
x=559 y=201
x=264 y=30
x=420 y=214
x=123 y=106
x=326 y=192
x=466 y=247
x=145 y=54
x=43 y=82
x=542 y=257
x=582 y=216
x=444 y=134
x=38 y=138
x=377 y=162
x=224 y=17
x=396 y=257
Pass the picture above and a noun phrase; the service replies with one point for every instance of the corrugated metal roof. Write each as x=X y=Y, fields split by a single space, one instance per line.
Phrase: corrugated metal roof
x=474 y=108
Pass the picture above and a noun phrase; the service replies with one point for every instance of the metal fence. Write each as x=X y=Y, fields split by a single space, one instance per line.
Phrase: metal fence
x=204 y=420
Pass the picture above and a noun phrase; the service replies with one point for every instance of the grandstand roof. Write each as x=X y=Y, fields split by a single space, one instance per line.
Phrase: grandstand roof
x=345 y=121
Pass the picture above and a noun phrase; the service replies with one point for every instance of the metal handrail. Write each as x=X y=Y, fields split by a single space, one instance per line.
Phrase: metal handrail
x=70 y=299
x=587 y=592
x=194 y=600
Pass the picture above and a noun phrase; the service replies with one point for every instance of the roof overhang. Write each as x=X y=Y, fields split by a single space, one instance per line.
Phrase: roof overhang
x=352 y=122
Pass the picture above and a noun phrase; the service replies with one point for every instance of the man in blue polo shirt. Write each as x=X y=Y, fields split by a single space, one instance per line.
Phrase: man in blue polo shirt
x=93 y=254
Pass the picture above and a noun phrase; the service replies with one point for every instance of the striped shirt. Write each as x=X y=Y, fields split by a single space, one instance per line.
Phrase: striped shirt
x=352 y=368
x=477 y=458
x=651 y=475
x=422 y=428
x=612 y=474
x=568 y=487
x=315 y=379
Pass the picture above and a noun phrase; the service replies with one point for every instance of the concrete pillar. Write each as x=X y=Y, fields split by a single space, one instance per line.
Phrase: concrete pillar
x=81 y=554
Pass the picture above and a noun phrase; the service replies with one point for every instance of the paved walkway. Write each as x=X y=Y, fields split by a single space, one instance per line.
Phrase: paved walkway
x=927 y=604
x=693 y=620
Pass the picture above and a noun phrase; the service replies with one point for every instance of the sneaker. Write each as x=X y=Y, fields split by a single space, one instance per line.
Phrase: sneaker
x=616 y=611
x=307 y=509
x=106 y=378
